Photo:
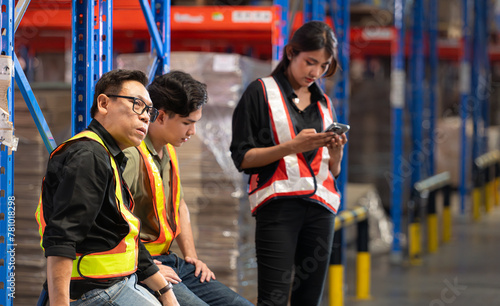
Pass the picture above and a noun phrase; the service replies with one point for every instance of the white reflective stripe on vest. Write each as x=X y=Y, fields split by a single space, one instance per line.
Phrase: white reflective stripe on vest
x=283 y=127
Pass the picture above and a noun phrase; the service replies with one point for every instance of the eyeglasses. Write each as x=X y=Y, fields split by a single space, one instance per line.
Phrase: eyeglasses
x=139 y=106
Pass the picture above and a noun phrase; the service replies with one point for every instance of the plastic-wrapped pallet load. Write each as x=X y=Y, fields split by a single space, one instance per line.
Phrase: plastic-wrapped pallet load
x=213 y=188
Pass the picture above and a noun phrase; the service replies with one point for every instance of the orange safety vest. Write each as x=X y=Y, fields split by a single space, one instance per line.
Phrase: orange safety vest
x=168 y=231
x=120 y=260
x=294 y=177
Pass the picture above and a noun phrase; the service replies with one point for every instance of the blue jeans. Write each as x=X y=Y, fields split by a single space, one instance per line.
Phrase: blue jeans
x=124 y=293
x=192 y=292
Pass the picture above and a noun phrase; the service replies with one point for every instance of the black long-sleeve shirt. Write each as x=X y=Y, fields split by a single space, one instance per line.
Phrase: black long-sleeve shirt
x=252 y=126
x=79 y=207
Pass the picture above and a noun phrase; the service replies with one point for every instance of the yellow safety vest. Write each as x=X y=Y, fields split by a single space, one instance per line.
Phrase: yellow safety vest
x=120 y=260
x=168 y=231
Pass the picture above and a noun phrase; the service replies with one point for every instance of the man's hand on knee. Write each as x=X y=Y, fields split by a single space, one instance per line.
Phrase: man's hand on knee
x=168 y=273
x=201 y=267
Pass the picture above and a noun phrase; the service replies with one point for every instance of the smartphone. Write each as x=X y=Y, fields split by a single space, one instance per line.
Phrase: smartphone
x=338 y=128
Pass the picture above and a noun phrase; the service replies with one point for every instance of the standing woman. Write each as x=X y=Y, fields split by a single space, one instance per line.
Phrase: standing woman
x=278 y=140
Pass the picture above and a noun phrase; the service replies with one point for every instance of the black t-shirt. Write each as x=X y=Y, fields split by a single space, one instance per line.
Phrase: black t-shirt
x=252 y=127
x=81 y=215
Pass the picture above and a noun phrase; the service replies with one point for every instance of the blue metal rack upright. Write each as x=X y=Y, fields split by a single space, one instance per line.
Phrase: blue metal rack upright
x=485 y=21
x=7 y=200
x=478 y=103
x=92 y=38
x=479 y=79
x=397 y=99
x=341 y=19
x=160 y=34
x=162 y=17
x=340 y=12
x=284 y=30
x=307 y=9
x=465 y=84
x=92 y=55
x=416 y=101
x=314 y=10
x=432 y=32
x=474 y=104
x=318 y=10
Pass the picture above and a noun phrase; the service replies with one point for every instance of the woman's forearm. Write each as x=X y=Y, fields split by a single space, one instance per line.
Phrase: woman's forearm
x=260 y=157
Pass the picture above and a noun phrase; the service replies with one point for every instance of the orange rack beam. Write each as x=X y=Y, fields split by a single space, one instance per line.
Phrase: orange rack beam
x=240 y=29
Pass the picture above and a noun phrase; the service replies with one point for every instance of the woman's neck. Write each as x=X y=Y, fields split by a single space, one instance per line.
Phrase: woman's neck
x=295 y=86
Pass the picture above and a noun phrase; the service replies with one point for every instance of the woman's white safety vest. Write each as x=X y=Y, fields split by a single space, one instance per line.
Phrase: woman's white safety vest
x=294 y=177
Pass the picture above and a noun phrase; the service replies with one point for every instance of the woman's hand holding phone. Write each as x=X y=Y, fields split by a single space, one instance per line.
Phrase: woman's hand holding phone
x=337 y=128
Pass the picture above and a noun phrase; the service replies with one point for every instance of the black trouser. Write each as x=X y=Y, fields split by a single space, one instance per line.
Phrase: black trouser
x=293 y=240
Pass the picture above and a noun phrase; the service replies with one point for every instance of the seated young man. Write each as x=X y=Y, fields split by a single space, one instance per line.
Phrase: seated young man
x=152 y=173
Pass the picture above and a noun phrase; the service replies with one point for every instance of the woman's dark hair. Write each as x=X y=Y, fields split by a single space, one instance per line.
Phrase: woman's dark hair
x=311 y=36
x=176 y=92
x=111 y=83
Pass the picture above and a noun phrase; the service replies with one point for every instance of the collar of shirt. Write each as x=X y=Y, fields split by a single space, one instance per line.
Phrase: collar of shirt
x=316 y=92
x=160 y=162
x=109 y=141
x=150 y=146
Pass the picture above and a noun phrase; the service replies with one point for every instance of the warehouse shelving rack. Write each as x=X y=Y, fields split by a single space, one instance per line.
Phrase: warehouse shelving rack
x=92 y=56
x=7 y=227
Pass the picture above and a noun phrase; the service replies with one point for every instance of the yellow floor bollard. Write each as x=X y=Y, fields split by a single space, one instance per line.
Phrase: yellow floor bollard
x=488 y=196
x=496 y=191
x=446 y=224
x=336 y=292
x=414 y=244
x=432 y=233
x=476 y=203
x=363 y=275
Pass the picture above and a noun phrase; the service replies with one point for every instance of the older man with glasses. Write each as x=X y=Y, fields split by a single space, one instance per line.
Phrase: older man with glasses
x=89 y=235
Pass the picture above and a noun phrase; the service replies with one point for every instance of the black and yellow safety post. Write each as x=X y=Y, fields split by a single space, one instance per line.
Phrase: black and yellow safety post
x=447 y=224
x=336 y=270
x=497 y=183
x=428 y=189
x=488 y=188
x=485 y=182
x=363 y=260
x=477 y=192
x=414 y=229
x=432 y=224
x=493 y=162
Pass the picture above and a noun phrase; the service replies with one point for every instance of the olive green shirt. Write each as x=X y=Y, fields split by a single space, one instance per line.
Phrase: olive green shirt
x=137 y=179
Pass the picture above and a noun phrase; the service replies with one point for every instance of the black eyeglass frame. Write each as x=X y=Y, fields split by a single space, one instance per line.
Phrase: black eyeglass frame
x=153 y=114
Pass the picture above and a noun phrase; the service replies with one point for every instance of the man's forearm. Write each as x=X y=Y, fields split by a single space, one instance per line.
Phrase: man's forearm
x=58 y=279
x=156 y=282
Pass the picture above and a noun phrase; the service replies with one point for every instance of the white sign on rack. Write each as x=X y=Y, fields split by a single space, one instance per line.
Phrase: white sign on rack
x=7 y=137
